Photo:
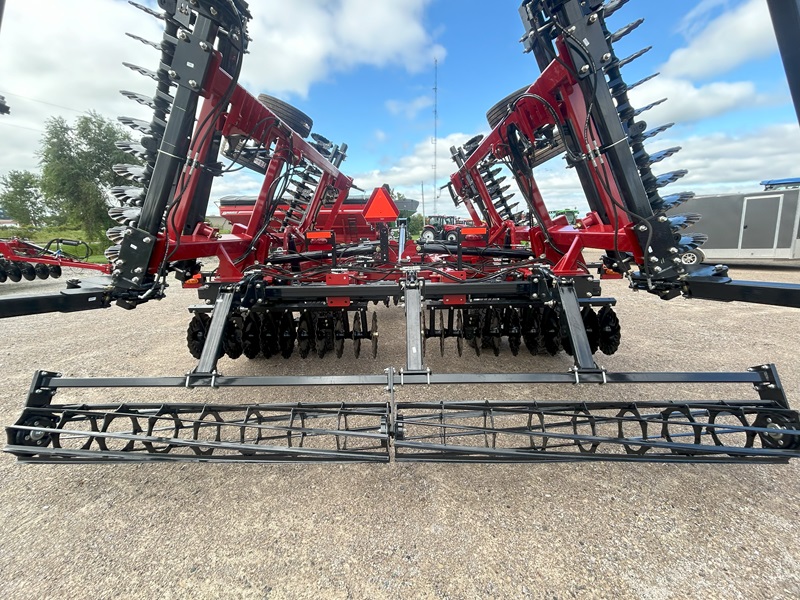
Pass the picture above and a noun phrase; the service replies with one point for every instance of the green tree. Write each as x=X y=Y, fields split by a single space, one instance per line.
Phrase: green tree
x=22 y=200
x=77 y=173
x=415 y=224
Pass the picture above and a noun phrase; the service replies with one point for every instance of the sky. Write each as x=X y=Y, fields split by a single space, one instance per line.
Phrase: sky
x=364 y=71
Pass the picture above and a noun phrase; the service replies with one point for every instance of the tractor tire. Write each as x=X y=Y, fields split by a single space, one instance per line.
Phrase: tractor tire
x=499 y=111
x=297 y=120
x=452 y=237
x=428 y=235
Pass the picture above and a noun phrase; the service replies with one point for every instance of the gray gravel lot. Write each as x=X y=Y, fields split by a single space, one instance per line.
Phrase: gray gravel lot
x=437 y=531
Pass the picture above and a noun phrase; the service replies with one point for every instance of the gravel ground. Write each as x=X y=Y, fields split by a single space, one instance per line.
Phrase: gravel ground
x=427 y=531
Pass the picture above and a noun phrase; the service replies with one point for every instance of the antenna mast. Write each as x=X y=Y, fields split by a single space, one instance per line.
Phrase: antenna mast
x=435 y=130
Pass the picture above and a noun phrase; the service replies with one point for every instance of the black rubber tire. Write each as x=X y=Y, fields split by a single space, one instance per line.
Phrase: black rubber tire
x=42 y=272
x=295 y=119
x=498 y=112
x=452 y=237
x=28 y=272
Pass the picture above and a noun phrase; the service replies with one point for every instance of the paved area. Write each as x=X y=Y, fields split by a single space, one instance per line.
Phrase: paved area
x=419 y=531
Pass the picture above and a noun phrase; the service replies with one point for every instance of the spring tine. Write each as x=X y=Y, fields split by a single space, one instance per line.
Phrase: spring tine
x=135 y=149
x=125 y=215
x=143 y=126
x=642 y=81
x=639 y=111
x=643 y=159
x=613 y=6
x=148 y=10
x=683 y=220
x=128 y=194
x=653 y=182
x=160 y=76
x=116 y=234
x=112 y=253
x=633 y=57
x=692 y=241
x=672 y=201
x=655 y=131
x=623 y=31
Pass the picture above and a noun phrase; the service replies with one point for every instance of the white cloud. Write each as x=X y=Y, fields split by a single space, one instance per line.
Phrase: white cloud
x=298 y=43
x=722 y=162
x=72 y=64
x=737 y=36
x=77 y=63
x=697 y=18
x=409 y=109
x=688 y=102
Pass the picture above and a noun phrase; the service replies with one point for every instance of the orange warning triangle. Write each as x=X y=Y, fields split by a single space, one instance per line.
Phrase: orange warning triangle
x=380 y=207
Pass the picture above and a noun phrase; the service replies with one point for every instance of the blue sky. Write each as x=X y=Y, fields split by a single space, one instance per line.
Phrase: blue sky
x=363 y=70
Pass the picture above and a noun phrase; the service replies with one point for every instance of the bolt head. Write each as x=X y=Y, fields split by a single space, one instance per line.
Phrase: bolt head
x=657 y=269
x=642 y=228
x=653 y=259
x=593 y=18
x=606 y=57
x=585 y=69
x=192 y=83
x=173 y=74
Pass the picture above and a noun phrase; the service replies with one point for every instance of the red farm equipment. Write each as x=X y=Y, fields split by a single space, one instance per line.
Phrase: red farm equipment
x=21 y=259
x=301 y=265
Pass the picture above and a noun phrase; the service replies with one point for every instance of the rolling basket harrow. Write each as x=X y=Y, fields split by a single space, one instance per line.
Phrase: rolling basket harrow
x=306 y=257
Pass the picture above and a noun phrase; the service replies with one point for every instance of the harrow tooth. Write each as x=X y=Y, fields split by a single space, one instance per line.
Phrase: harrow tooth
x=642 y=81
x=156 y=127
x=655 y=131
x=613 y=6
x=691 y=241
x=671 y=177
x=497 y=189
x=162 y=101
x=629 y=59
x=161 y=75
x=112 y=253
x=125 y=215
x=136 y=149
x=644 y=109
x=670 y=202
x=136 y=173
x=167 y=45
x=645 y=160
x=116 y=234
x=490 y=171
x=148 y=10
x=133 y=196
x=684 y=220
x=618 y=86
x=653 y=182
x=623 y=31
